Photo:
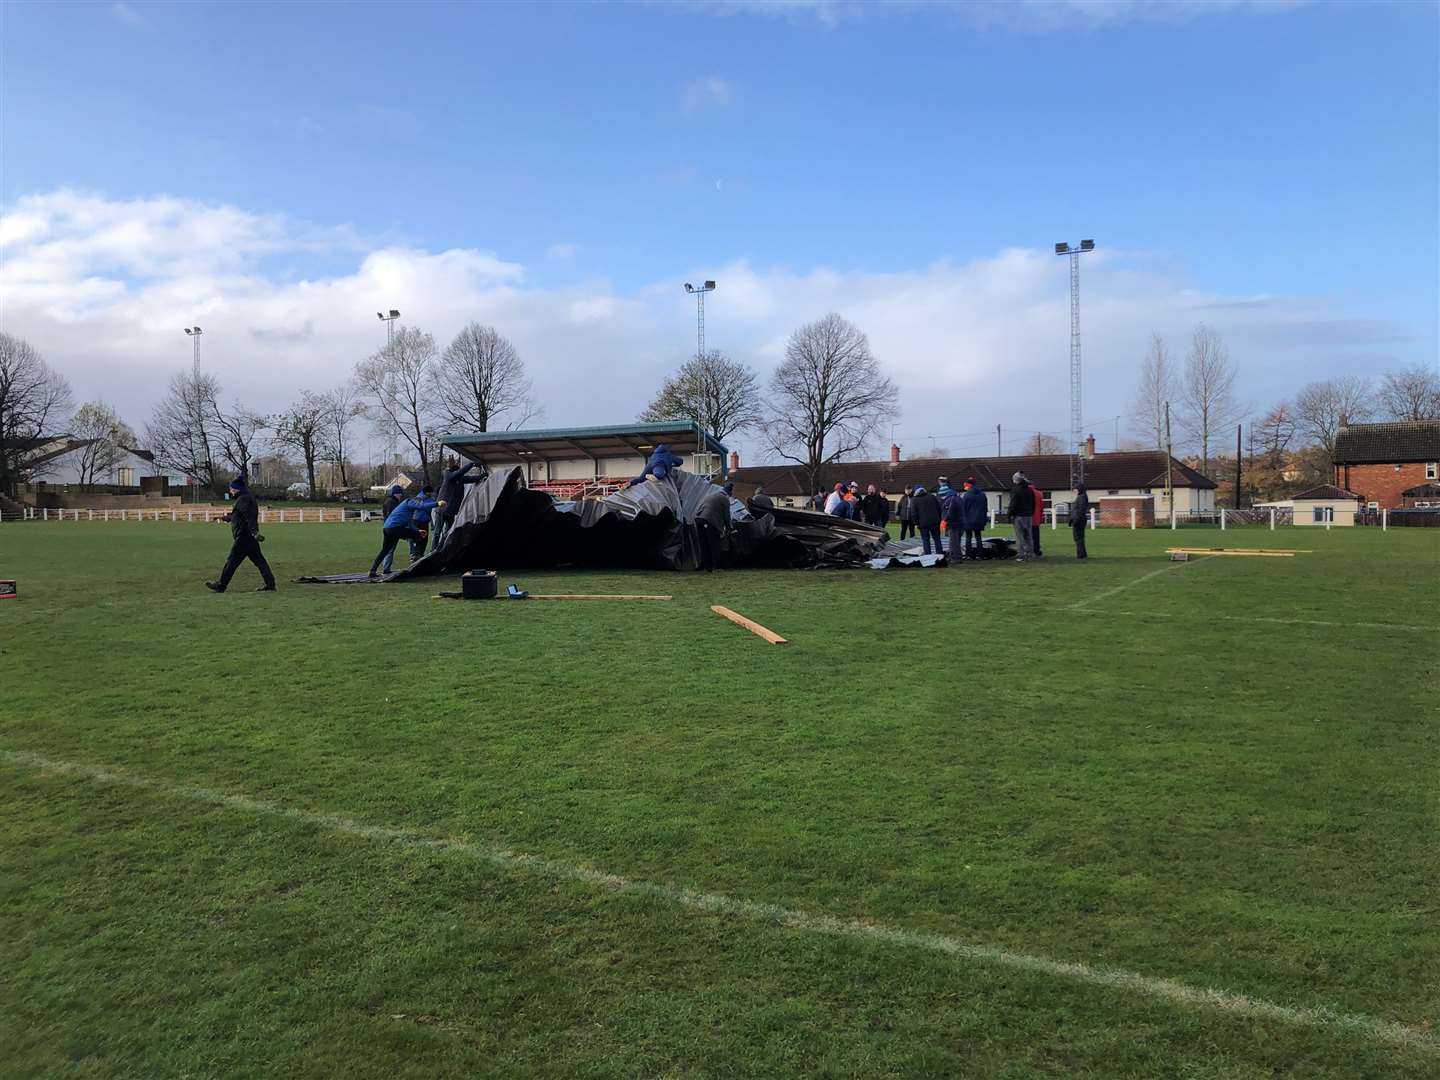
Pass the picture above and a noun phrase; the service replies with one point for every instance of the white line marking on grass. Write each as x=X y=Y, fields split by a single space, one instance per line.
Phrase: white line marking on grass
x=1176 y=993
x=1258 y=619
x=1080 y=604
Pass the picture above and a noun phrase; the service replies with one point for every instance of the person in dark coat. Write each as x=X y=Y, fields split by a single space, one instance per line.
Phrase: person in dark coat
x=874 y=507
x=974 y=511
x=952 y=512
x=392 y=500
x=1037 y=518
x=761 y=501
x=1022 y=509
x=400 y=525
x=927 y=519
x=712 y=521
x=1079 y=519
x=905 y=511
x=452 y=493
x=244 y=519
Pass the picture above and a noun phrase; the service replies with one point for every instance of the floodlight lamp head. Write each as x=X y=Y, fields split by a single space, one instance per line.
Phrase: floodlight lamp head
x=709 y=285
x=689 y=287
x=379 y=314
x=395 y=314
x=1087 y=245
x=1062 y=249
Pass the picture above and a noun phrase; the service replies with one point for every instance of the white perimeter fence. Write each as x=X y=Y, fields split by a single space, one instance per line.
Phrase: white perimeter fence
x=300 y=515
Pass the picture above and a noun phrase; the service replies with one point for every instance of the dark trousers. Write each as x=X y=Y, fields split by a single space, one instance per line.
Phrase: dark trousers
x=393 y=537
x=931 y=534
x=439 y=526
x=907 y=529
x=1078 y=529
x=956 y=537
x=246 y=547
x=974 y=541
x=1034 y=538
x=711 y=544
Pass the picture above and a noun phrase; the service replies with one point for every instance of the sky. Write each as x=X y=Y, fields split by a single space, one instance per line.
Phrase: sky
x=278 y=173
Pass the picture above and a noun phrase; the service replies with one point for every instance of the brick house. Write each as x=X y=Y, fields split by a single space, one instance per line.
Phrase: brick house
x=1378 y=462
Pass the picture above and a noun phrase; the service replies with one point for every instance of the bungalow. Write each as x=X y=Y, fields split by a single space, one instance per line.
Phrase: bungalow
x=1322 y=505
x=1380 y=461
x=1131 y=473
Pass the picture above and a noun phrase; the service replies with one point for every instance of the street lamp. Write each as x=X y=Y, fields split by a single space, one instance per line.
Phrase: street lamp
x=193 y=333
x=699 y=294
x=1077 y=459
x=389 y=321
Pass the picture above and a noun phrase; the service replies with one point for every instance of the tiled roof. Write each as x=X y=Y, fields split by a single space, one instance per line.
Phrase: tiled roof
x=1393 y=443
x=1422 y=491
x=1327 y=491
x=1049 y=472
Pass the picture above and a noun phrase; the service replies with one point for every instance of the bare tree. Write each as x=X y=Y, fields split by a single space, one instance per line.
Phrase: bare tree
x=238 y=429
x=480 y=379
x=1411 y=394
x=1043 y=443
x=396 y=380
x=342 y=406
x=829 y=396
x=1275 y=431
x=32 y=398
x=182 y=433
x=1157 y=386
x=719 y=394
x=1322 y=407
x=105 y=436
x=304 y=428
x=1208 y=390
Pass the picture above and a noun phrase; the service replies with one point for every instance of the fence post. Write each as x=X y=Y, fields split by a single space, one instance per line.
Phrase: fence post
x=1272 y=519
x=1092 y=517
x=45 y=513
x=1329 y=517
x=190 y=515
x=1054 y=519
x=1222 y=519
x=1384 y=520
x=1132 y=519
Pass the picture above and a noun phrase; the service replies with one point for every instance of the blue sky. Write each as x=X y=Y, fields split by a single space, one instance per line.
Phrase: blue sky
x=1278 y=160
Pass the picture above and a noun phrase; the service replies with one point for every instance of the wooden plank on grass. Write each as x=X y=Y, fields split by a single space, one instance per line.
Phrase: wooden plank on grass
x=1224 y=551
x=749 y=624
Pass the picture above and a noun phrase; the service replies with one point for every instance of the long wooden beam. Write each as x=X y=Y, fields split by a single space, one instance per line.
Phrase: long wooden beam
x=1222 y=551
x=749 y=624
x=596 y=596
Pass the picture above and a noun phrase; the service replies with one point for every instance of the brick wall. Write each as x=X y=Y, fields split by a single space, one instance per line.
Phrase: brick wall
x=1380 y=483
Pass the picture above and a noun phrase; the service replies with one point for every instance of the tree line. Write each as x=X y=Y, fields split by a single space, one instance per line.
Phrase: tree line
x=1290 y=444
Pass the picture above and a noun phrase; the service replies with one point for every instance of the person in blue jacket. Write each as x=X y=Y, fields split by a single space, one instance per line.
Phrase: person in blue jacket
x=661 y=461
x=974 y=509
x=400 y=525
x=953 y=514
x=393 y=498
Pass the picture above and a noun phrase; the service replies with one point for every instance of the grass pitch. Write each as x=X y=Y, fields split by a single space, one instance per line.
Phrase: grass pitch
x=291 y=834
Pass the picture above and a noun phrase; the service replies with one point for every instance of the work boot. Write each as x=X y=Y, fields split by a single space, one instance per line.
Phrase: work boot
x=214 y=586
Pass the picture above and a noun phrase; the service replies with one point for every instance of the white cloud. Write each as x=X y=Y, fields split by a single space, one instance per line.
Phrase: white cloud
x=702 y=93
x=103 y=287
x=562 y=251
x=1021 y=15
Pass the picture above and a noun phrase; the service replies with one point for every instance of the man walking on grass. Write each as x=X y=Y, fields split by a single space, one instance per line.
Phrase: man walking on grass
x=1022 y=509
x=244 y=519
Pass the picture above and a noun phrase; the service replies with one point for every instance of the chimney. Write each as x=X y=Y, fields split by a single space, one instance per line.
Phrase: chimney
x=1090 y=448
x=734 y=460
x=894 y=454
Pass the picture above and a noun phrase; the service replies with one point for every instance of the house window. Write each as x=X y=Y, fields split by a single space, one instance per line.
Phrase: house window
x=1144 y=491
x=1432 y=470
x=1323 y=514
x=1113 y=491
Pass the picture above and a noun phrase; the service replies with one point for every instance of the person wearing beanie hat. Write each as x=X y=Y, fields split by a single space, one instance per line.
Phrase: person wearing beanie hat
x=1022 y=509
x=244 y=519
x=1079 y=515
x=973 y=510
x=926 y=508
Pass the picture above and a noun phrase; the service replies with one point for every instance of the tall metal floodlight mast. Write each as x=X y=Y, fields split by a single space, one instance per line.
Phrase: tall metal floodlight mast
x=1077 y=456
x=699 y=294
x=389 y=321
x=193 y=333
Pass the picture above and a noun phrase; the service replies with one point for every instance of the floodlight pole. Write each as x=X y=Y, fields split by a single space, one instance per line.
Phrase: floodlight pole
x=1077 y=459
x=193 y=333
x=699 y=292
x=389 y=321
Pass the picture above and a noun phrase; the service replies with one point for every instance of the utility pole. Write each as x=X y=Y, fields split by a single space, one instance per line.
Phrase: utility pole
x=699 y=294
x=998 y=451
x=1169 y=457
x=1077 y=459
x=1237 y=466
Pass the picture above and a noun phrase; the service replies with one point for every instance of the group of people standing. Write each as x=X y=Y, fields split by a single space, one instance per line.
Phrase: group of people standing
x=845 y=501
x=964 y=512
x=424 y=520
x=1027 y=512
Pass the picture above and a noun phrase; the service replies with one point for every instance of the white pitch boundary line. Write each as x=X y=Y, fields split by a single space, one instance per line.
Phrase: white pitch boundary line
x=1081 y=604
x=1169 y=990
x=1259 y=619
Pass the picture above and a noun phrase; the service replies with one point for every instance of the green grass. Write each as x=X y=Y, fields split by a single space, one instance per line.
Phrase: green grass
x=1177 y=792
